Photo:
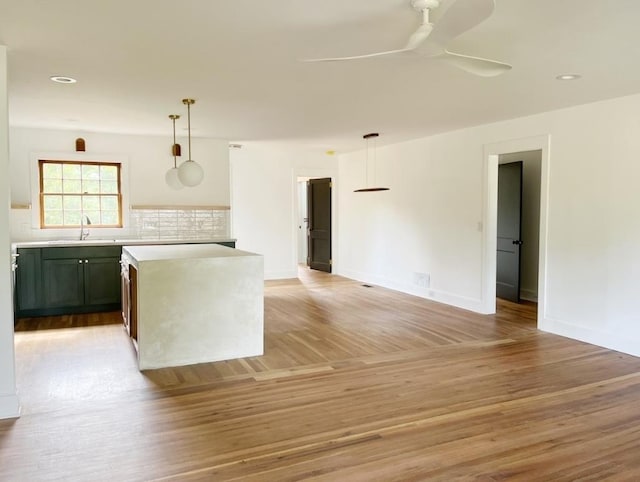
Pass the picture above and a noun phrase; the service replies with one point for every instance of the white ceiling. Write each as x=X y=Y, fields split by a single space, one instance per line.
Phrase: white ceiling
x=136 y=59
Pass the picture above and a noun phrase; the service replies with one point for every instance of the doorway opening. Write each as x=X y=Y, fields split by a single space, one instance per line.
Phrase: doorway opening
x=518 y=226
x=531 y=239
x=314 y=223
x=302 y=221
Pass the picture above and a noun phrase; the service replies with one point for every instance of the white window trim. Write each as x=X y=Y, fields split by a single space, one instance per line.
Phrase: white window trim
x=106 y=158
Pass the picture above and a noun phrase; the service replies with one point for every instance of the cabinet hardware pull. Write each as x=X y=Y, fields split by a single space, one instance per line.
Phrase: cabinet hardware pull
x=80 y=261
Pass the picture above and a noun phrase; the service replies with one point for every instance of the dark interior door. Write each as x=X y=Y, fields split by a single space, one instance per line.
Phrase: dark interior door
x=509 y=214
x=319 y=212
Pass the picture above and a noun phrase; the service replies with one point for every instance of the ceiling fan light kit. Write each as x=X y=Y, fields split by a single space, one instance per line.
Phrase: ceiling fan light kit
x=190 y=172
x=367 y=137
x=430 y=40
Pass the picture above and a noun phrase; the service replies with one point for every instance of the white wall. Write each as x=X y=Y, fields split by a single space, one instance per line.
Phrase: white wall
x=530 y=225
x=303 y=222
x=431 y=220
x=427 y=222
x=9 y=406
x=264 y=201
x=145 y=162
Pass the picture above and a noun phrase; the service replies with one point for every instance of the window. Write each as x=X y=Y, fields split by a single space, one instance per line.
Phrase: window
x=71 y=189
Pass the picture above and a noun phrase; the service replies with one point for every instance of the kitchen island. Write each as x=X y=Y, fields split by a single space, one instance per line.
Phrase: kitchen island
x=187 y=304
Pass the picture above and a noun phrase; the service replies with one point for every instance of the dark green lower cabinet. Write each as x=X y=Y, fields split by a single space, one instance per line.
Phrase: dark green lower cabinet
x=102 y=281
x=28 y=280
x=228 y=244
x=66 y=280
x=63 y=282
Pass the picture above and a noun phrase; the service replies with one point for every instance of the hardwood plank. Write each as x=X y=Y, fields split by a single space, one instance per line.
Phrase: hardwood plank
x=356 y=384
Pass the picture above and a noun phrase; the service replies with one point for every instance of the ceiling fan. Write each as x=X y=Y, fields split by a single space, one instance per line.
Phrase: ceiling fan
x=430 y=40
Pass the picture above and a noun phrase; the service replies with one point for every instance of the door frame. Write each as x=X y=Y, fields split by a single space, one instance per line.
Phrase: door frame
x=489 y=226
x=315 y=173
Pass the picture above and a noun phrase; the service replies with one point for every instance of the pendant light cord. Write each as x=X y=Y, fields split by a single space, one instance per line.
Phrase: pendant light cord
x=369 y=188
x=366 y=169
x=175 y=162
x=375 y=159
x=189 y=126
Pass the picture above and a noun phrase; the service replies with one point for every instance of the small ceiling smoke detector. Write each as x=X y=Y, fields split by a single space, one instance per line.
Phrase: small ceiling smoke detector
x=568 y=77
x=61 y=79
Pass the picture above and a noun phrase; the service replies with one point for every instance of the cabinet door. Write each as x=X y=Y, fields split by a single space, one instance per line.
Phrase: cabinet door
x=63 y=282
x=102 y=281
x=28 y=279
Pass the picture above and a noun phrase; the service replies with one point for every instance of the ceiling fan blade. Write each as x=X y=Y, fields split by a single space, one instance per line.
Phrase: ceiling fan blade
x=475 y=65
x=419 y=36
x=461 y=16
x=356 y=57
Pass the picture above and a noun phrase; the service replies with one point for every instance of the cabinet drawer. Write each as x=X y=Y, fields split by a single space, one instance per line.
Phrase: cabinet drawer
x=82 y=252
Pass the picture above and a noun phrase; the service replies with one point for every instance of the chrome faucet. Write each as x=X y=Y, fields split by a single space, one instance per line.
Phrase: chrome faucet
x=84 y=234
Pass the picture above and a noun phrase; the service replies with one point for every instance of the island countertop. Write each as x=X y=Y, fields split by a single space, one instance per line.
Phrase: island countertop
x=181 y=251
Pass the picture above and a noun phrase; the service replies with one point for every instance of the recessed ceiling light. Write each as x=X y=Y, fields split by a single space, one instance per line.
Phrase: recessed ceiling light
x=568 y=77
x=61 y=79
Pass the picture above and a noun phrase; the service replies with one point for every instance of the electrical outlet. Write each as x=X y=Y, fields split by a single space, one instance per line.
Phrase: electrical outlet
x=423 y=280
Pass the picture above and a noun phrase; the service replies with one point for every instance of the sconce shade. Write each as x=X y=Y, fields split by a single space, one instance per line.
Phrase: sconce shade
x=190 y=173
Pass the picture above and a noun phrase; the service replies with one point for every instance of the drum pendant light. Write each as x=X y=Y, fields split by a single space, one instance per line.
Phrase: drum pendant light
x=190 y=172
x=367 y=137
x=171 y=177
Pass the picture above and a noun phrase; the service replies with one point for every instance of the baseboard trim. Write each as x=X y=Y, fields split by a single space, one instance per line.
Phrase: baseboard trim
x=612 y=341
x=273 y=275
x=9 y=406
x=529 y=295
x=466 y=303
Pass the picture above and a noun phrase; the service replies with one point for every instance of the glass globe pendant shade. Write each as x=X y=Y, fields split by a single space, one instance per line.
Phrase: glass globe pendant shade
x=190 y=173
x=172 y=179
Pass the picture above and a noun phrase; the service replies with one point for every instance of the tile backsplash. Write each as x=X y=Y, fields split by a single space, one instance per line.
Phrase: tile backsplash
x=145 y=222
x=179 y=223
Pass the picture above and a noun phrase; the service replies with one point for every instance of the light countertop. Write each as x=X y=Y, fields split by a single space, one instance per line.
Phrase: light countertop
x=113 y=242
x=181 y=251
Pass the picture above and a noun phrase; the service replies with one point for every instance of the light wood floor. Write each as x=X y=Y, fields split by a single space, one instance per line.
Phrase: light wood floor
x=356 y=384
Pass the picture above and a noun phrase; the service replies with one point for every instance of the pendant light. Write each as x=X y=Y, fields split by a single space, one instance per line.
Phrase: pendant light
x=171 y=177
x=367 y=137
x=190 y=172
